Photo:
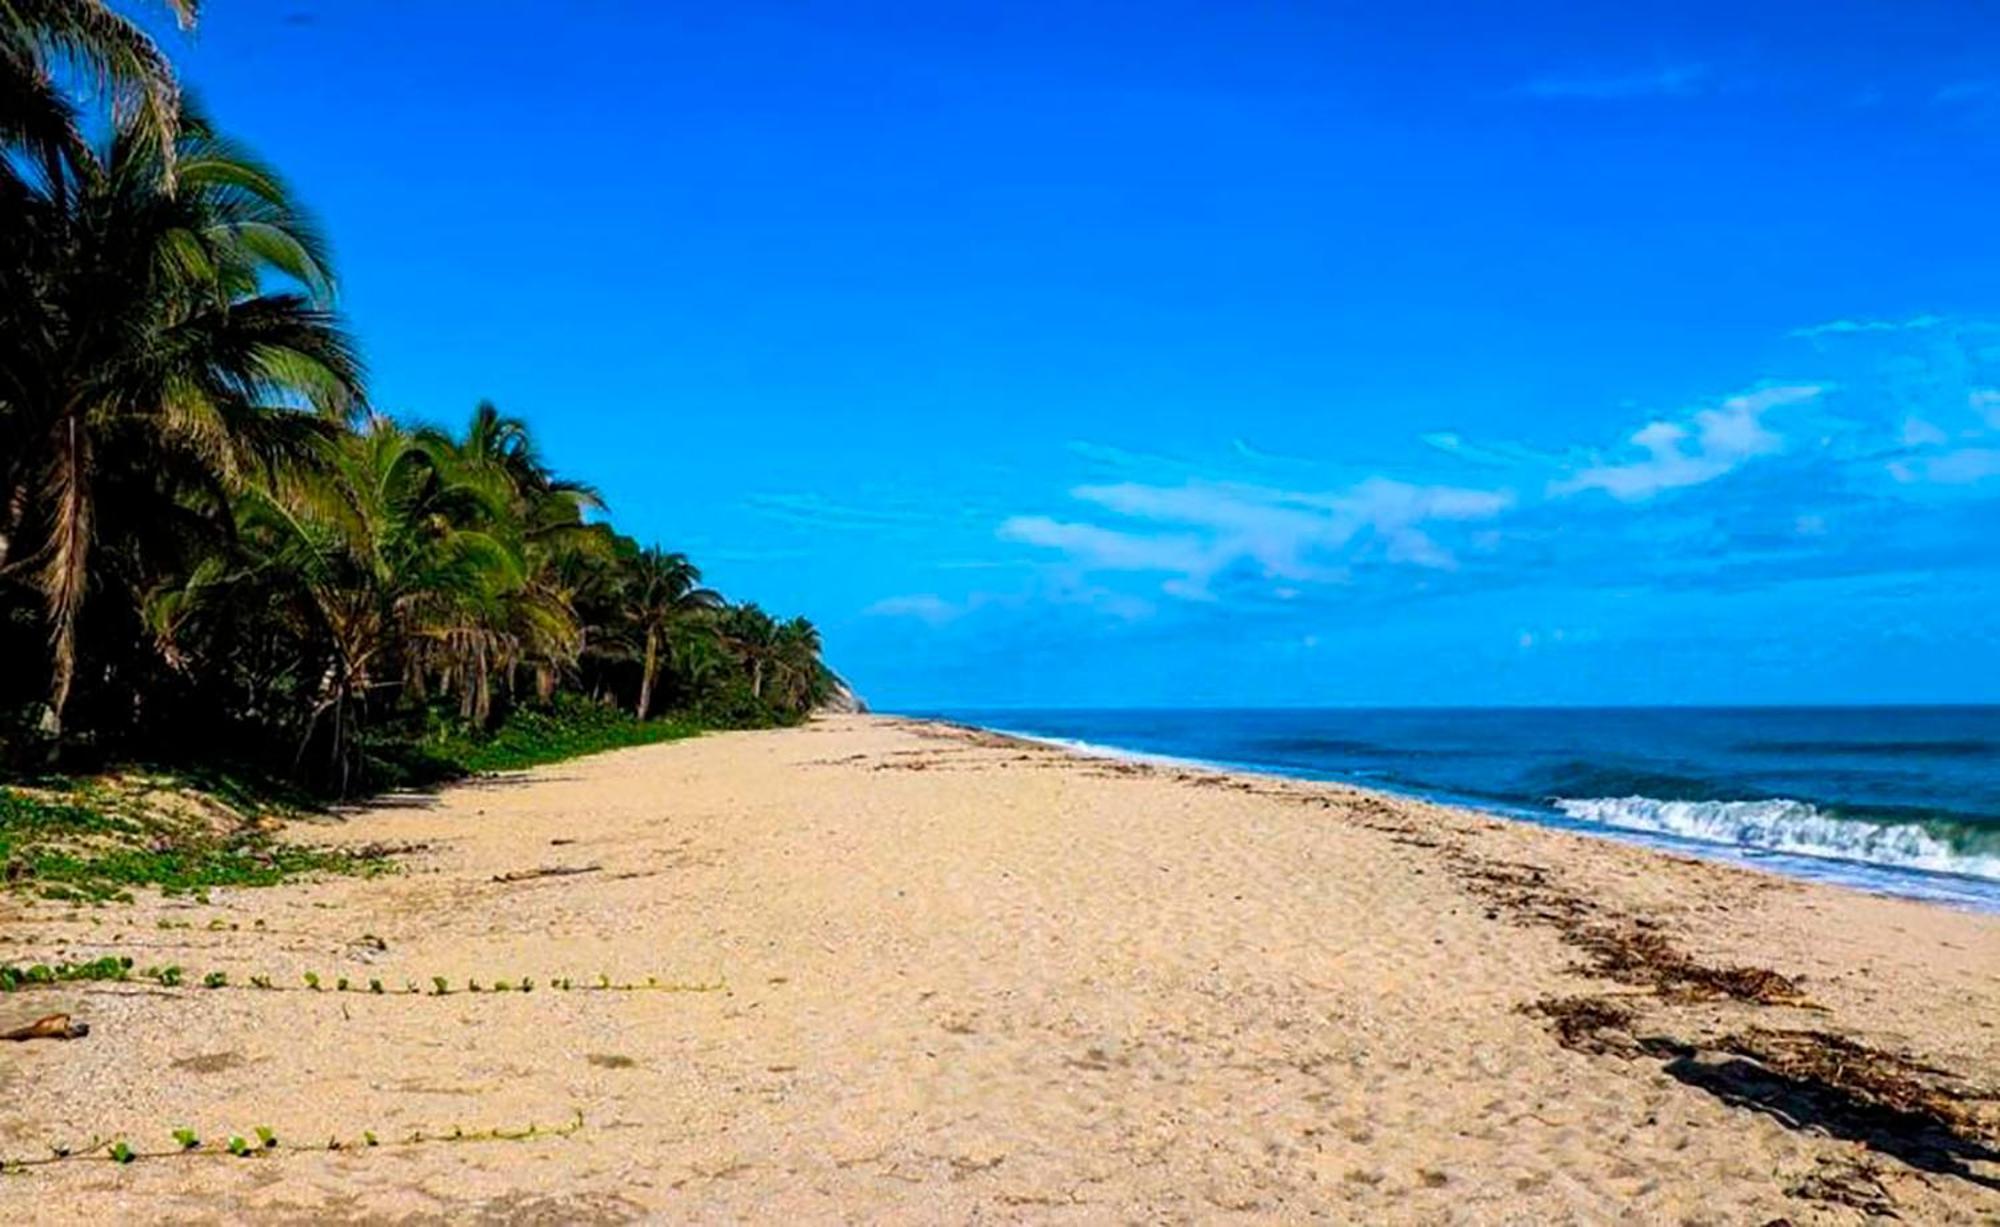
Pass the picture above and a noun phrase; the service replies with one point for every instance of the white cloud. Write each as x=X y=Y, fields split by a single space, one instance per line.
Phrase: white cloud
x=923 y=606
x=1962 y=467
x=1986 y=403
x=1215 y=505
x=1486 y=454
x=1919 y=433
x=1289 y=535
x=1108 y=549
x=1716 y=441
x=1256 y=455
x=1843 y=327
x=1381 y=500
x=1187 y=589
x=1196 y=537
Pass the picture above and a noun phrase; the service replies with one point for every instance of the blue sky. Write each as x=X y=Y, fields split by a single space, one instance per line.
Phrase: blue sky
x=1212 y=354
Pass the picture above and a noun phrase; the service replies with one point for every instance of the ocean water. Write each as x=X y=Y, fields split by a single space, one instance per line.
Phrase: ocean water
x=1904 y=800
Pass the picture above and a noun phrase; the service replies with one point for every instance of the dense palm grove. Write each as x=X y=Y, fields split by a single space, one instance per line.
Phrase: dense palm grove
x=208 y=538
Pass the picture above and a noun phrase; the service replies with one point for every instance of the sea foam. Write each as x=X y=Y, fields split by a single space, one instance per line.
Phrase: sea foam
x=1783 y=825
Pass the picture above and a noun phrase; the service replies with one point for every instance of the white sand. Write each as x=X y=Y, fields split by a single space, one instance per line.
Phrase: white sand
x=973 y=980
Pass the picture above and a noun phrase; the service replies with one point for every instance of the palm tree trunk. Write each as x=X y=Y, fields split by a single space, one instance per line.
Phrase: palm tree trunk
x=64 y=574
x=483 y=706
x=646 y=677
x=757 y=679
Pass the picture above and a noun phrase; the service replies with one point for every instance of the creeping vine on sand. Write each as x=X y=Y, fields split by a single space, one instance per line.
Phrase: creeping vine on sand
x=188 y=1145
x=121 y=968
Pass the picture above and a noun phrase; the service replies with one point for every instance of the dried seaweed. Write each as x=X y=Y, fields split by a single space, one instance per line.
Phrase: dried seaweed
x=1620 y=948
x=1587 y=1024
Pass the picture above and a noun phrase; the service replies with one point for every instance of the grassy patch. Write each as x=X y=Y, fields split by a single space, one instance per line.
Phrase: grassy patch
x=185 y=871
x=572 y=728
x=26 y=819
x=94 y=843
x=185 y=831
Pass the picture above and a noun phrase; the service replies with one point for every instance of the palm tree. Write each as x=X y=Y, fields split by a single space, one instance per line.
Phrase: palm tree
x=149 y=370
x=662 y=592
x=699 y=657
x=752 y=636
x=370 y=561
x=803 y=681
x=37 y=36
x=198 y=515
x=539 y=518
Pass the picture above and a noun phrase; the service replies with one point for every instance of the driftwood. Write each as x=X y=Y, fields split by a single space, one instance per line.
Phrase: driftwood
x=49 y=1027
x=546 y=871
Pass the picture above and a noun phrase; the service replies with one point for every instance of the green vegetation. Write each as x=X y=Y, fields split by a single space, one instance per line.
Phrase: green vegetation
x=94 y=845
x=107 y=968
x=570 y=727
x=120 y=968
x=214 y=550
x=187 y=1145
x=238 y=863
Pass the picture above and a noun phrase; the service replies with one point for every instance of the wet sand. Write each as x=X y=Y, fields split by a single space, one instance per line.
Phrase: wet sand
x=906 y=972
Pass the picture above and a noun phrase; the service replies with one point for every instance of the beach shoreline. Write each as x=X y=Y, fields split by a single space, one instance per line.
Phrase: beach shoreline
x=1948 y=888
x=876 y=968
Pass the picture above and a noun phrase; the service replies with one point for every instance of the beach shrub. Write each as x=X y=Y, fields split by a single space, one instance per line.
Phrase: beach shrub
x=569 y=727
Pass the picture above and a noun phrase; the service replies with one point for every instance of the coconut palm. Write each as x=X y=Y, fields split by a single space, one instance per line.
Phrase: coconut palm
x=802 y=682
x=199 y=526
x=150 y=371
x=374 y=559
x=662 y=593
x=699 y=658
x=752 y=638
x=37 y=38
x=539 y=519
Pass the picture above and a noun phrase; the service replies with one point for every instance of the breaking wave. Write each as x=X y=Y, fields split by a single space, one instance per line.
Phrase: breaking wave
x=1794 y=827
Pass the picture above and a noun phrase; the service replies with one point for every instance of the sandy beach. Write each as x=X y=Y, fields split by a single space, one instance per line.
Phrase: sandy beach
x=873 y=970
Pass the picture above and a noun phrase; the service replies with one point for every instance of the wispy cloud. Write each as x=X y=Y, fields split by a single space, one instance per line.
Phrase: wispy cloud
x=1068 y=592
x=1714 y=442
x=1488 y=454
x=1666 y=81
x=1844 y=327
x=924 y=607
x=1197 y=531
x=1920 y=433
x=1870 y=470
x=1124 y=460
x=1961 y=466
x=1246 y=450
x=1108 y=549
